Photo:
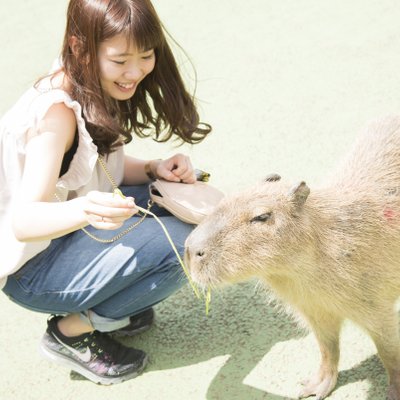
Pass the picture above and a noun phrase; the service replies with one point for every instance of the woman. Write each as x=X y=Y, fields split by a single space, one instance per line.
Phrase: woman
x=74 y=249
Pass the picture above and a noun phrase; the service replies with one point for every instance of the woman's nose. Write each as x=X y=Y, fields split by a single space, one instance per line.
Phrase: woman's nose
x=134 y=73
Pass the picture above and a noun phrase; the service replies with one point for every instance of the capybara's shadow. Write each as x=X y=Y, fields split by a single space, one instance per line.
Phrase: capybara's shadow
x=370 y=369
x=242 y=327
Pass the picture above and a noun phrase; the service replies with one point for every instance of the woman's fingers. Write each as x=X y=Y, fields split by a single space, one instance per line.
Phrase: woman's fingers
x=177 y=168
x=108 y=211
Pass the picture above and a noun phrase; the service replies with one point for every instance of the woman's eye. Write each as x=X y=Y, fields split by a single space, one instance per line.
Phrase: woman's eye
x=147 y=54
x=262 y=217
x=148 y=57
x=119 y=62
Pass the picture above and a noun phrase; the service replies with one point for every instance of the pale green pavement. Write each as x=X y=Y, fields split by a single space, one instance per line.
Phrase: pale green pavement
x=286 y=85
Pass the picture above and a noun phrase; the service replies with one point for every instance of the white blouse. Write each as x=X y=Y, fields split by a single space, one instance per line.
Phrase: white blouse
x=83 y=175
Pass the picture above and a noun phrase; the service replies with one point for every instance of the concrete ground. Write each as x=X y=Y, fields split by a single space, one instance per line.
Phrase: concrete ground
x=286 y=85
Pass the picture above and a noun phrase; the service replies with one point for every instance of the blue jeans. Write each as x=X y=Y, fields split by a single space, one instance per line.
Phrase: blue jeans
x=106 y=283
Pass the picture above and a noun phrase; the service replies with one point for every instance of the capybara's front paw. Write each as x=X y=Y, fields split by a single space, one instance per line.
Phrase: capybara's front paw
x=320 y=386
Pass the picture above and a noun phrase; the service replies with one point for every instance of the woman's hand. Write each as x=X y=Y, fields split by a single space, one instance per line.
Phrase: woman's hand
x=177 y=168
x=108 y=210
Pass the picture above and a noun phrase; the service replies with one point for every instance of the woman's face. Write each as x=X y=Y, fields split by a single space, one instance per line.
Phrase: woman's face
x=123 y=66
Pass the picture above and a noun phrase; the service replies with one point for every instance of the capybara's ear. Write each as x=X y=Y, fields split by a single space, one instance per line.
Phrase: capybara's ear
x=298 y=194
x=272 y=178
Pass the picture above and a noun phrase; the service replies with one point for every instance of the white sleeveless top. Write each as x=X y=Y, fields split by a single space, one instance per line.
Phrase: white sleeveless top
x=83 y=175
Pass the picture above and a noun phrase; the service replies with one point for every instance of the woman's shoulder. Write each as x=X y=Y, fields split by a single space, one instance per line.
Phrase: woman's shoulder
x=60 y=119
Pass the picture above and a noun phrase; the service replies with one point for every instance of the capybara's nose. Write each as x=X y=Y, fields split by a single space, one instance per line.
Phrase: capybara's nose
x=193 y=254
x=199 y=253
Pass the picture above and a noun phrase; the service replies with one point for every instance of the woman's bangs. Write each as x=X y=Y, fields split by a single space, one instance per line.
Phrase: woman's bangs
x=140 y=26
x=144 y=31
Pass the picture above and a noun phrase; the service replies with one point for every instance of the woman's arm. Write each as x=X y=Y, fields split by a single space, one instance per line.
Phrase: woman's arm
x=177 y=168
x=134 y=170
x=35 y=215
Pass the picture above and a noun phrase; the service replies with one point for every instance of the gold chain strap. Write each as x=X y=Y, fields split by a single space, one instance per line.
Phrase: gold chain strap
x=119 y=236
x=107 y=172
x=116 y=191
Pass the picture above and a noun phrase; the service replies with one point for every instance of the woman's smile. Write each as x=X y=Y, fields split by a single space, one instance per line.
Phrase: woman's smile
x=126 y=87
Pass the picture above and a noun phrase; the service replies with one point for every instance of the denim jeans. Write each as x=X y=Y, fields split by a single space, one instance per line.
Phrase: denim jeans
x=106 y=283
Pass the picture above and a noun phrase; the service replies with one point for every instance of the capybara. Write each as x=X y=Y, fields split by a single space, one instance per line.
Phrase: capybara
x=329 y=254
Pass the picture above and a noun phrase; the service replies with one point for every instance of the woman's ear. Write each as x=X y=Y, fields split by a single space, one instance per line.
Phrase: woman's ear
x=77 y=49
x=76 y=46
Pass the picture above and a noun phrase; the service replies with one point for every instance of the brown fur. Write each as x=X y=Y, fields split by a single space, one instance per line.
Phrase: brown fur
x=331 y=254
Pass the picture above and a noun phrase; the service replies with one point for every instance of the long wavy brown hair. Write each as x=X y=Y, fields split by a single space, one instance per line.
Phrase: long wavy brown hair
x=161 y=106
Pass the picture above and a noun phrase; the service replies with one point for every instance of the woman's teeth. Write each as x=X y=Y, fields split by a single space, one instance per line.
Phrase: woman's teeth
x=126 y=85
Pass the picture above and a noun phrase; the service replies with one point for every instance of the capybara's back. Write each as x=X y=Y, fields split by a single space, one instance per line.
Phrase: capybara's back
x=374 y=159
x=330 y=254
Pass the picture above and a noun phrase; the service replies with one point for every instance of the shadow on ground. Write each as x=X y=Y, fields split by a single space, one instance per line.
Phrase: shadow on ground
x=370 y=369
x=241 y=325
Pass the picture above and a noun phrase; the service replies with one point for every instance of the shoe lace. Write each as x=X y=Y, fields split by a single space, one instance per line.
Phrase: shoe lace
x=102 y=346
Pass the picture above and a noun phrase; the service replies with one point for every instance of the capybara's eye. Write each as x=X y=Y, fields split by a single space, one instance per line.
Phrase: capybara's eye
x=262 y=217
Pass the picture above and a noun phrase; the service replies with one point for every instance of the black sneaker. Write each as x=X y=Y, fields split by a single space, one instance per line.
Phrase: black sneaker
x=138 y=323
x=94 y=355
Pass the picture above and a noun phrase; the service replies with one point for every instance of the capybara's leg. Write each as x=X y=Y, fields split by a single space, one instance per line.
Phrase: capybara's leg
x=326 y=330
x=384 y=331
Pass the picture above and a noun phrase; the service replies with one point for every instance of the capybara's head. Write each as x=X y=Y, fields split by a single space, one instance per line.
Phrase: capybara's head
x=249 y=234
